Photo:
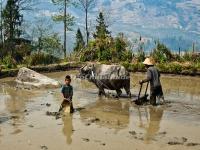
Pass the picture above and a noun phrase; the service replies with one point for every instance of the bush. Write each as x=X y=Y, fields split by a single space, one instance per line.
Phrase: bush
x=127 y=56
x=170 y=68
x=134 y=67
x=40 y=59
x=161 y=53
x=8 y=62
x=140 y=57
x=88 y=55
x=178 y=58
x=104 y=55
x=191 y=57
x=175 y=68
x=21 y=52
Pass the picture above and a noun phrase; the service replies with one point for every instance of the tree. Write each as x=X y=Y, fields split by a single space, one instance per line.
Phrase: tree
x=45 y=40
x=103 y=38
x=101 y=28
x=120 y=45
x=52 y=44
x=41 y=28
x=64 y=17
x=86 y=6
x=79 y=41
x=12 y=21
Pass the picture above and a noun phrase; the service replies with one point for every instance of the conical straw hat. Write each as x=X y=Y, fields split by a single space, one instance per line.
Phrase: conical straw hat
x=148 y=62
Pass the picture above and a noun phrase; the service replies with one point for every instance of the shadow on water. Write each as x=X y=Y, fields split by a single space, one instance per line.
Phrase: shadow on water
x=67 y=128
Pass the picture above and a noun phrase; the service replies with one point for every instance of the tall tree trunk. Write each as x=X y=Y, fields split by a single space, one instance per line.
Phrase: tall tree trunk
x=1 y=34
x=86 y=25
x=65 y=29
x=11 y=38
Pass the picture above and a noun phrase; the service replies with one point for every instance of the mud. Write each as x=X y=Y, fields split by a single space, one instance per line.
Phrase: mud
x=100 y=123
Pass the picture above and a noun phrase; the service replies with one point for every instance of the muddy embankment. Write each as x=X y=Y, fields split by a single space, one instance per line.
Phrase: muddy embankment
x=74 y=66
x=42 y=69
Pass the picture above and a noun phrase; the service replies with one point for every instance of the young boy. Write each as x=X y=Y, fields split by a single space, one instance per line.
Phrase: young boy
x=67 y=92
x=153 y=76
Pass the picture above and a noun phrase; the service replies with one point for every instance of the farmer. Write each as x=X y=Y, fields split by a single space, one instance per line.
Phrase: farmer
x=153 y=76
x=67 y=92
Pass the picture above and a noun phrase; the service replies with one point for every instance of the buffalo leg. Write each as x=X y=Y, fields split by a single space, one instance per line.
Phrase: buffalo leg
x=102 y=92
x=127 y=89
x=119 y=92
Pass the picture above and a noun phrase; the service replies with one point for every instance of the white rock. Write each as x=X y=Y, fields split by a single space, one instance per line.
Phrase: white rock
x=31 y=78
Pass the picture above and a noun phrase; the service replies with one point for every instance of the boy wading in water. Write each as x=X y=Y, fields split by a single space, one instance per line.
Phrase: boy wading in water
x=67 y=92
x=153 y=76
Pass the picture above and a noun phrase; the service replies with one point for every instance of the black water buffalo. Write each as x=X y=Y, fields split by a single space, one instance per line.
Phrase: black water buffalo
x=111 y=77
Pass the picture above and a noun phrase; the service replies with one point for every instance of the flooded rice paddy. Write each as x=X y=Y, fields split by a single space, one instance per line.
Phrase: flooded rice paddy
x=100 y=123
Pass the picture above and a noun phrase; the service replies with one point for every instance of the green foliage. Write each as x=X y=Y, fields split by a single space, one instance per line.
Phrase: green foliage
x=177 y=57
x=176 y=68
x=52 y=45
x=120 y=45
x=88 y=55
x=22 y=51
x=104 y=47
x=104 y=55
x=40 y=59
x=134 y=67
x=12 y=22
x=191 y=57
x=140 y=56
x=80 y=44
x=161 y=53
x=172 y=68
x=12 y=19
x=106 y=50
x=127 y=56
x=101 y=28
x=69 y=20
x=8 y=62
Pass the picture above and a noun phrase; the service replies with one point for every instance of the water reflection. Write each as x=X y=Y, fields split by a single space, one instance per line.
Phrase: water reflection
x=112 y=114
x=147 y=118
x=67 y=128
x=141 y=122
x=155 y=117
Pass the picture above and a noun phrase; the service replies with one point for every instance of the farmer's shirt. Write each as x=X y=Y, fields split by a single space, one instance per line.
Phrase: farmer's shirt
x=67 y=91
x=153 y=76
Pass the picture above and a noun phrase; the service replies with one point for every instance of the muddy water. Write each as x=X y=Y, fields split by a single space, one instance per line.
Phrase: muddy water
x=100 y=123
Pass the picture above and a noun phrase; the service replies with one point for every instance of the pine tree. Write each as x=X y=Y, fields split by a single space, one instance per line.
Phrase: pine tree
x=79 y=41
x=101 y=28
x=12 y=20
